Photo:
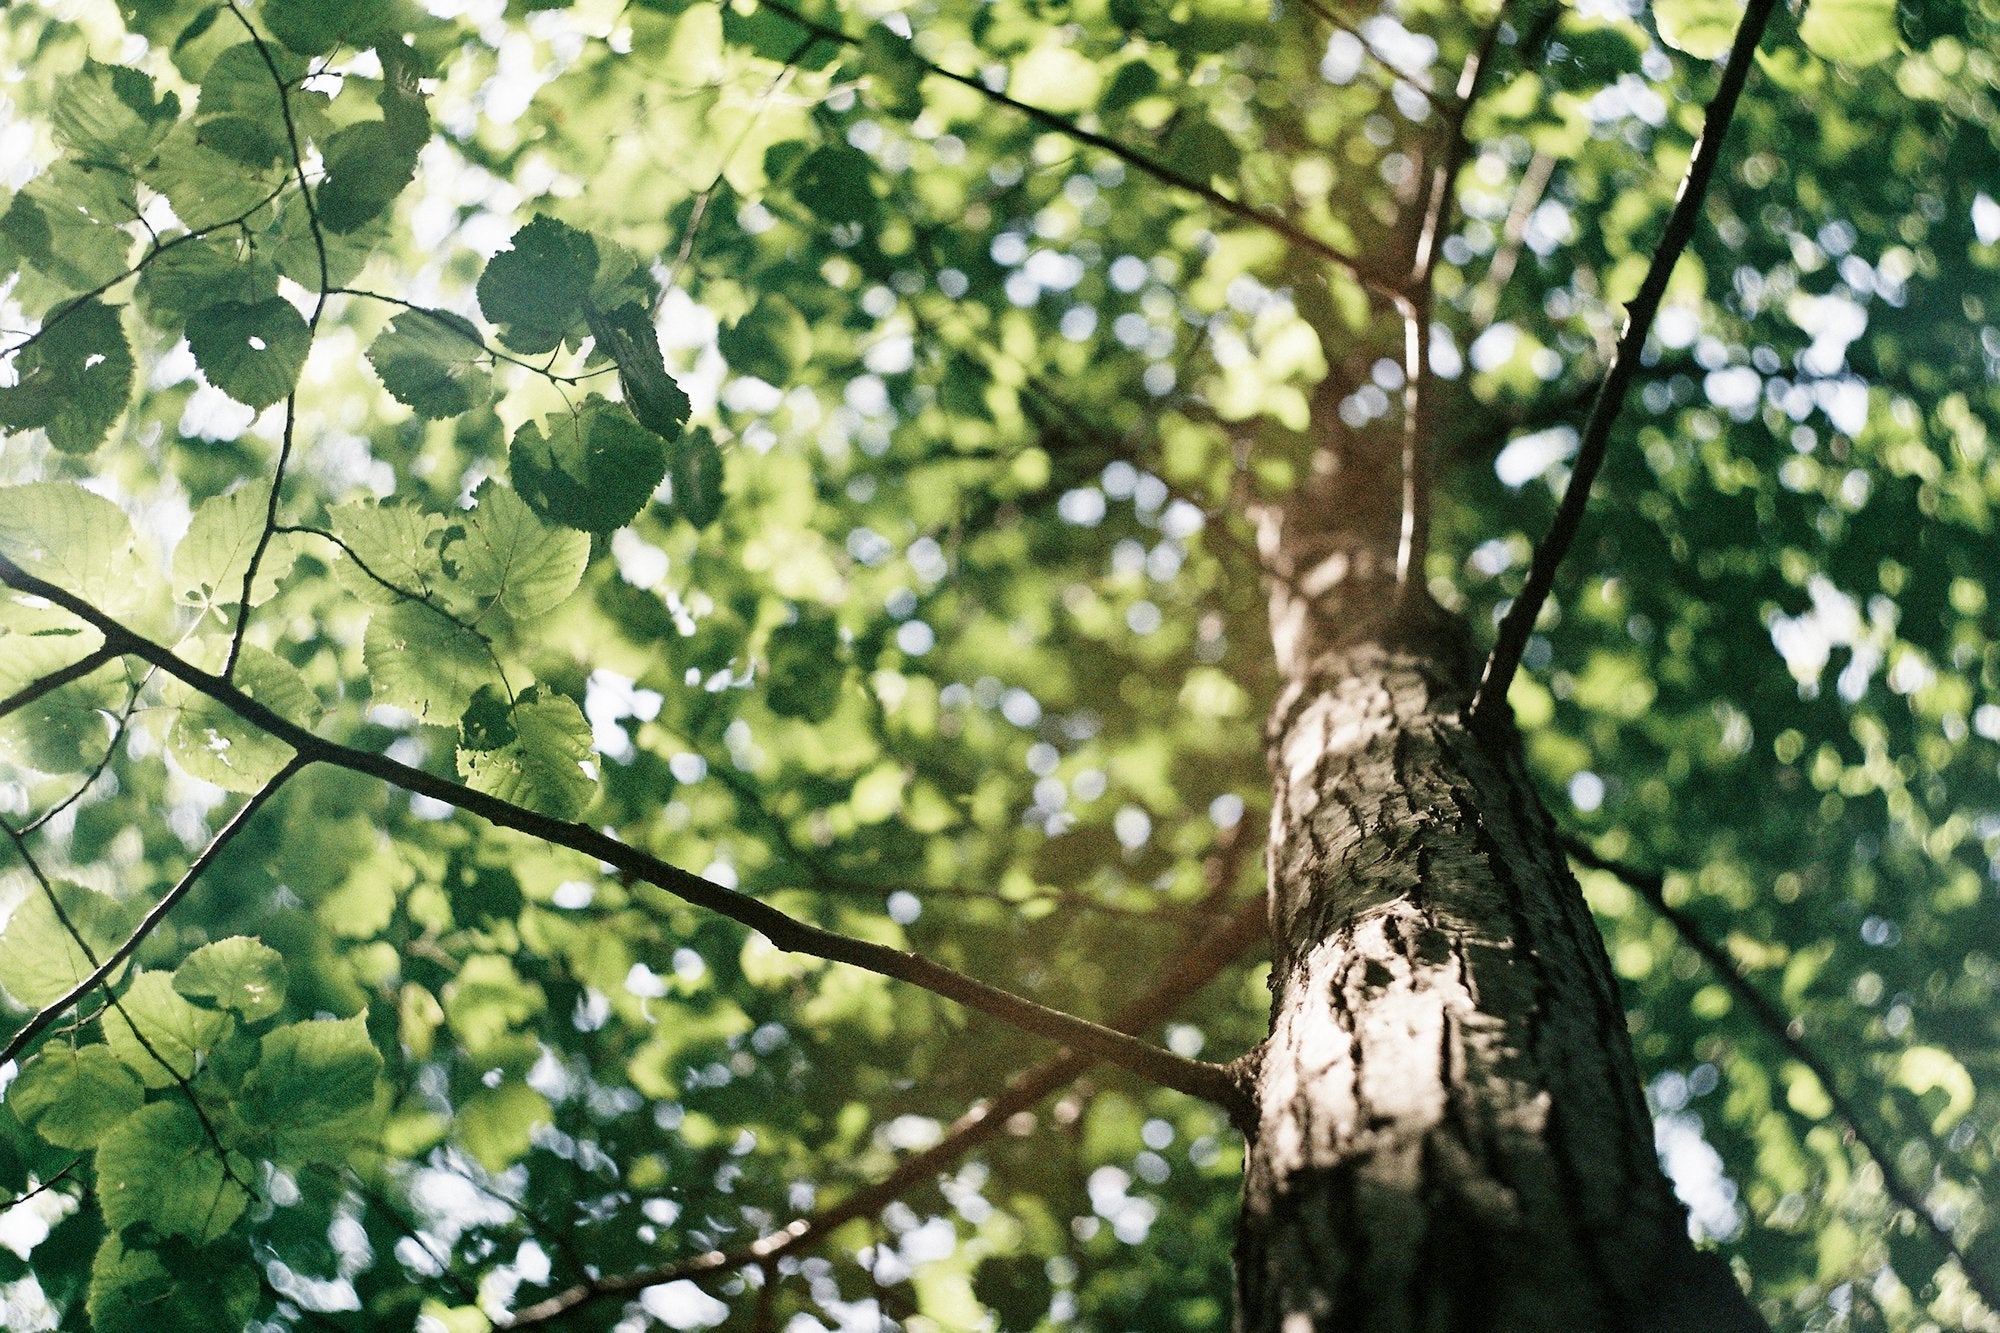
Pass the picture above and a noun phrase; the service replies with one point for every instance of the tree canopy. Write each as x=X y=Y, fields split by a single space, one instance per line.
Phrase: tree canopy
x=633 y=656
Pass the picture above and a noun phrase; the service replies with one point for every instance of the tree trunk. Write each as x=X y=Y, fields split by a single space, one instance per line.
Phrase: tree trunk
x=1450 y=1133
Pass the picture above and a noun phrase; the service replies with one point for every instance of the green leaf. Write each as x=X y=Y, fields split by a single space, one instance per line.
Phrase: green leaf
x=1851 y=32
x=1202 y=151
x=420 y=660
x=626 y=336
x=207 y=187
x=73 y=538
x=397 y=543
x=540 y=769
x=211 y=560
x=71 y=1095
x=487 y=1001
x=497 y=1125
x=212 y=743
x=67 y=730
x=37 y=640
x=500 y=552
x=297 y=249
x=801 y=684
x=834 y=183
x=895 y=71
x=367 y=166
x=315 y=27
x=313 y=1087
x=240 y=974
x=535 y=291
x=1704 y=29
x=188 y=276
x=433 y=362
x=239 y=113
x=107 y=113
x=592 y=469
x=1931 y=1069
x=697 y=473
x=252 y=352
x=157 y=1167
x=172 y=1288
x=74 y=380
x=176 y=1035
x=486 y=724
x=40 y=959
x=69 y=224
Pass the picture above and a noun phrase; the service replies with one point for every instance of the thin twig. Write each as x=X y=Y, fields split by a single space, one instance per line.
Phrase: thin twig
x=242 y=626
x=157 y=249
x=48 y=1013
x=97 y=770
x=1652 y=887
x=44 y=1187
x=1325 y=14
x=1209 y=954
x=1513 y=236
x=485 y=348
x=1194 y=1077
x=55 y=680
x=113 y=1001
x=1159 y=171
x=1413 y=541
x=1519 y=622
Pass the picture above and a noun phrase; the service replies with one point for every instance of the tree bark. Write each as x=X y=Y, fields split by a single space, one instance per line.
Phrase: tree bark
x=1450 y=1133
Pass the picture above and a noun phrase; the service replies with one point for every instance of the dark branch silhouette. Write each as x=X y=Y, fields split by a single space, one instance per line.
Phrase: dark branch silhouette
x=110 y=963
x=1519 y=621
x=1159 y=171
x=1652 y=887
x=1195 y=1077
x=1210 y=953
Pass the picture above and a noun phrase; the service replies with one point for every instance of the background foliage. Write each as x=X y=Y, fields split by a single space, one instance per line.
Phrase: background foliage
x=825 y=460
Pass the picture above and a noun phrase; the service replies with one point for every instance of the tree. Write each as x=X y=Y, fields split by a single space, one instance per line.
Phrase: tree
x=634 y=641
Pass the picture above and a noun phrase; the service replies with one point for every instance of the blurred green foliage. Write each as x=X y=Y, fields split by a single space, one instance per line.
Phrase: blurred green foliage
x=748 y=440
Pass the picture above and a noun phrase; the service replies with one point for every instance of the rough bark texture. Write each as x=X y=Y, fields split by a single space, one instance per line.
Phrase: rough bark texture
x=1450 y=1130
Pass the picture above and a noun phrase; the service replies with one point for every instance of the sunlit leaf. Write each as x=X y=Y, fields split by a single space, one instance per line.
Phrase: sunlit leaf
x=1852 y=32
x=71 y=1095
x=240 y=974
x=541 y=766
x=48 y=946
x=1703 y=29
x=432 y=362
x=160 y=1035
x=500 y=553
x=420 y=659
x=214 y=744
x=212 y=559
x=158 y=1168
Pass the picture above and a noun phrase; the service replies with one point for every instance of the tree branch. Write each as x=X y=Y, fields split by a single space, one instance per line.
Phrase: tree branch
x=1194 y=1077
x=1377 y=61
x=1413 y=541
x=1519 y=622
x=55 y=680
x=1652 y=887
x=157 y=249
x=1210 y=954
x=48 y=1013
x=242 y=626
x=112 y=1001
x=1159 y=171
